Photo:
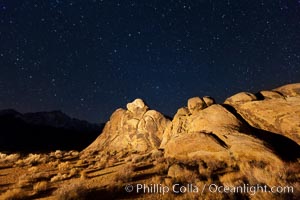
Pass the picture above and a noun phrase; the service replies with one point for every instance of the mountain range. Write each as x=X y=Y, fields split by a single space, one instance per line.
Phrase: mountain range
x=44 y=131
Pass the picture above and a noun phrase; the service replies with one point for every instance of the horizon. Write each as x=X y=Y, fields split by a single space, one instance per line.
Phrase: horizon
x=124 y=107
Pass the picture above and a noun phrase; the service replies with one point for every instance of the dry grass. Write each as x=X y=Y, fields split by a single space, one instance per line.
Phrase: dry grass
x=140 y=158
x=292 y=172
x=59 y=177
x=58 y=154
x=10 y=158
x=27 y=180
x=33 y=169
x=161 y=168
x=101 y=164
x=64 y=166
x=32 y=160
x=53 y=164
x=14 y=194
x=2 y=155
x=125 y=174
x=20 y=163
x=73 y=172
x=72 y=191
x=40 y=186
x=83 y=175
x=82 y=162
x=187 y=177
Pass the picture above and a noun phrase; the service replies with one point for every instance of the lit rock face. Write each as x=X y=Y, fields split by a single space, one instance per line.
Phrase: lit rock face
x=208 y=100
x=271 y=94
x=241 y=97
x=196 y=104
x=136 y=129
x=240 y=129
x=213 y=131
x=290 y=90
x=279 y=112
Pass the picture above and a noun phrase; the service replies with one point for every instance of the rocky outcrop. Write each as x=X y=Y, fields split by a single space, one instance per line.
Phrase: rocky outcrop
x=290 y=90
x=196 y=104
x=271 y=94
x=213 y=133
x=279 y=112
x=136 y=129
x=209 y=100
x=241 y=97
x=240 y=129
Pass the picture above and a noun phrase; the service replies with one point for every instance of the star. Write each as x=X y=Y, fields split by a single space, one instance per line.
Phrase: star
x=96 y=55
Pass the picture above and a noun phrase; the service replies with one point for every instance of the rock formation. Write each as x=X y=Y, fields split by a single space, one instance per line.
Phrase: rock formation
x=279 y=112
x=241 y=128
x=136 y=129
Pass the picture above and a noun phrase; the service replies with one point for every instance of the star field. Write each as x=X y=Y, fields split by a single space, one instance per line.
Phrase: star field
x=88 y=58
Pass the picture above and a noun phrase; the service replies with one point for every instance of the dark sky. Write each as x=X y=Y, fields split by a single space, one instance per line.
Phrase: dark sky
x=90 y=57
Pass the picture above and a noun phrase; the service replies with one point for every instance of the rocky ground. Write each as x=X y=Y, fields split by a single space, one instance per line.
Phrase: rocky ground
x=249 y=140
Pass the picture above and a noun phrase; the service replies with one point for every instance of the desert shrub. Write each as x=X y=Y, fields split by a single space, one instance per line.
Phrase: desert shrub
x=73 y=191
x=33 y=169
x=110 y=162
x=53 y=164
x=155 y=154
x=128 y=159
x=73 y=172
x=101 y=164
x=12 y=157
x=186 y=176
x=74 y=153
x=161 y=160
x=270 y=174
x=58 y=154
x=20 y=163
x=24 y=181
x=83 y=175
x=64 y=166
x=35 y=159
x=216 y=165
x=162 y=168
x=14 y=194
x=40 y=186
x=125 y=174
x=140 y=158
x=82 y=162
x=29 y=179
x=292 y=172
x=157 y=179
x=171 y=161
x=59 y=177
x=2 y=155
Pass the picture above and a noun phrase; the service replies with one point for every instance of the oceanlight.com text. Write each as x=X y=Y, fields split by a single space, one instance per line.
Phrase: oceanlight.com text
x=212 y=188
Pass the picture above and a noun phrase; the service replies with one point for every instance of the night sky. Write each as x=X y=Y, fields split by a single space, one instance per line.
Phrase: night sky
x=90 y=57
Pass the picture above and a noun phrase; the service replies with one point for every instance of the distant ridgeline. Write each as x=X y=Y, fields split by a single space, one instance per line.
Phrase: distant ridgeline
x=44 y=131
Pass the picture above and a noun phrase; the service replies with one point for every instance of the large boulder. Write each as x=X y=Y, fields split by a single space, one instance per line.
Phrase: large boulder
x=214 y=134
x=277 y=115
x=196 y=104
x=209 y=100
x=136 y=129
x=137 y=108
x=241 y=97
x=290 y=90
x=271 y=94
